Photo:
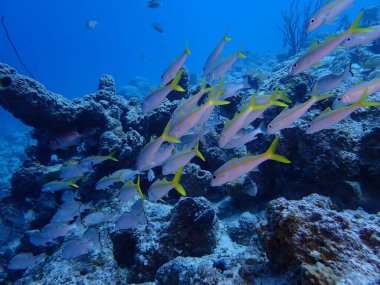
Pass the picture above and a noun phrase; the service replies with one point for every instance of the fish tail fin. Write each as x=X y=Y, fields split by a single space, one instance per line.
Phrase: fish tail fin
x=272 y=155
x=252 y=104
x=165 y=135
x=225 y=37
x=204 y=82
x=187 y=50
x=72 y=183
x=240 y=54
x=138 y=188
x=354 y=27
x=197 y=152
x=367 y=104
x=111 y=156
x=174 y=84
x=176 y=184
x=274 y=96
x=283 y=96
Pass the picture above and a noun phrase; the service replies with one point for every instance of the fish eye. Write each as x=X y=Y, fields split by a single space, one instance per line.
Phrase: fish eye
x=214 y=176
x=270 y=126
x=295 y=64
x=348 y=39
x=309 y=126
x=312 y=21
x=339 y=99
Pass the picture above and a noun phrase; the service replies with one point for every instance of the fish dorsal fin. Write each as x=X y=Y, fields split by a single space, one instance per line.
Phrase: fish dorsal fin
x=328 y=109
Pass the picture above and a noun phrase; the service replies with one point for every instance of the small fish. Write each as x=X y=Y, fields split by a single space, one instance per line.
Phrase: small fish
x=215 y=54
x=188 y=105
x=145 y=159
x=130 y=220
x=288 y=116
x=74 y=171
x=236 y=168
x=232 y=89
x=106 y=182
x=55 y=230
x=362 y=39
x=36 y=238
x=143 y=58
x=93 y=160
x=66 y=140
x=353 y=95
x=82 y=245
x=125 y=174
x=265 y=99
x=330 y=117
x=328 y=12
x=180 y=159
x=92 y=24
x=130 y=190
x=25 y=260
x=188 y=121
x=69 y=210
x=157 y=27
x=154 y=4
x=69 y=195
x=161 y=188
x=163 y=154
x=220 y=70
x=232 y=127
x=331 y=81
x=95 y=218
x=315 y=54
x=242 y=139
x=56 y=185
x=175 y=67
x=155 y=98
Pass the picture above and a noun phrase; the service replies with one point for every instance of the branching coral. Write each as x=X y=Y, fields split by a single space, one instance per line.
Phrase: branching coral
x=295 y=21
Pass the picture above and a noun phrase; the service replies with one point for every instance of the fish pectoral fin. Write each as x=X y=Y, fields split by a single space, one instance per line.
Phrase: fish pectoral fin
x=256 y=169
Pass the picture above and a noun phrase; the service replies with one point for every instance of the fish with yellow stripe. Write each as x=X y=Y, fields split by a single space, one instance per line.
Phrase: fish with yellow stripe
x=236 y=168
x=330 y=117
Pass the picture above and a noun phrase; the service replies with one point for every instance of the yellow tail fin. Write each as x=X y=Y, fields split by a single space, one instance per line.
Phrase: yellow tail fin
x=197 y=152
x=165 y=135
x=271 y=152
x=176 y=184
x=174 y=84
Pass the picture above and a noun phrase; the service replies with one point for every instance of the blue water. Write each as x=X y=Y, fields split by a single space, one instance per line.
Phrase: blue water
x=68 y=58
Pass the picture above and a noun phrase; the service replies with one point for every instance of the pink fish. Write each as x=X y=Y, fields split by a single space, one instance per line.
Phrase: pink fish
x=64 y=141
x=328 y=12
x=146 y=158
x=130 y=190
x=156 y=97
x=241 y=139
x=236 y=168
x=25 y=260
x=315 y=54
x=215 y=54
x=180 y=159
x=288 y=116
x=353 y=95
x=219 y=70
x=174 y=68
x=330 y=117
x=232 y=127
x=232 y=89
x=187 y=122
x=362 y=39
x=82 y=245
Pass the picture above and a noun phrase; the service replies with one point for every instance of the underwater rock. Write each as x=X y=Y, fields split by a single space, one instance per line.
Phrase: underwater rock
x=189 y=230
x=188 y=271
x=310 y=231
x=25 y=181
x=195 y=180
x=243 y=230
